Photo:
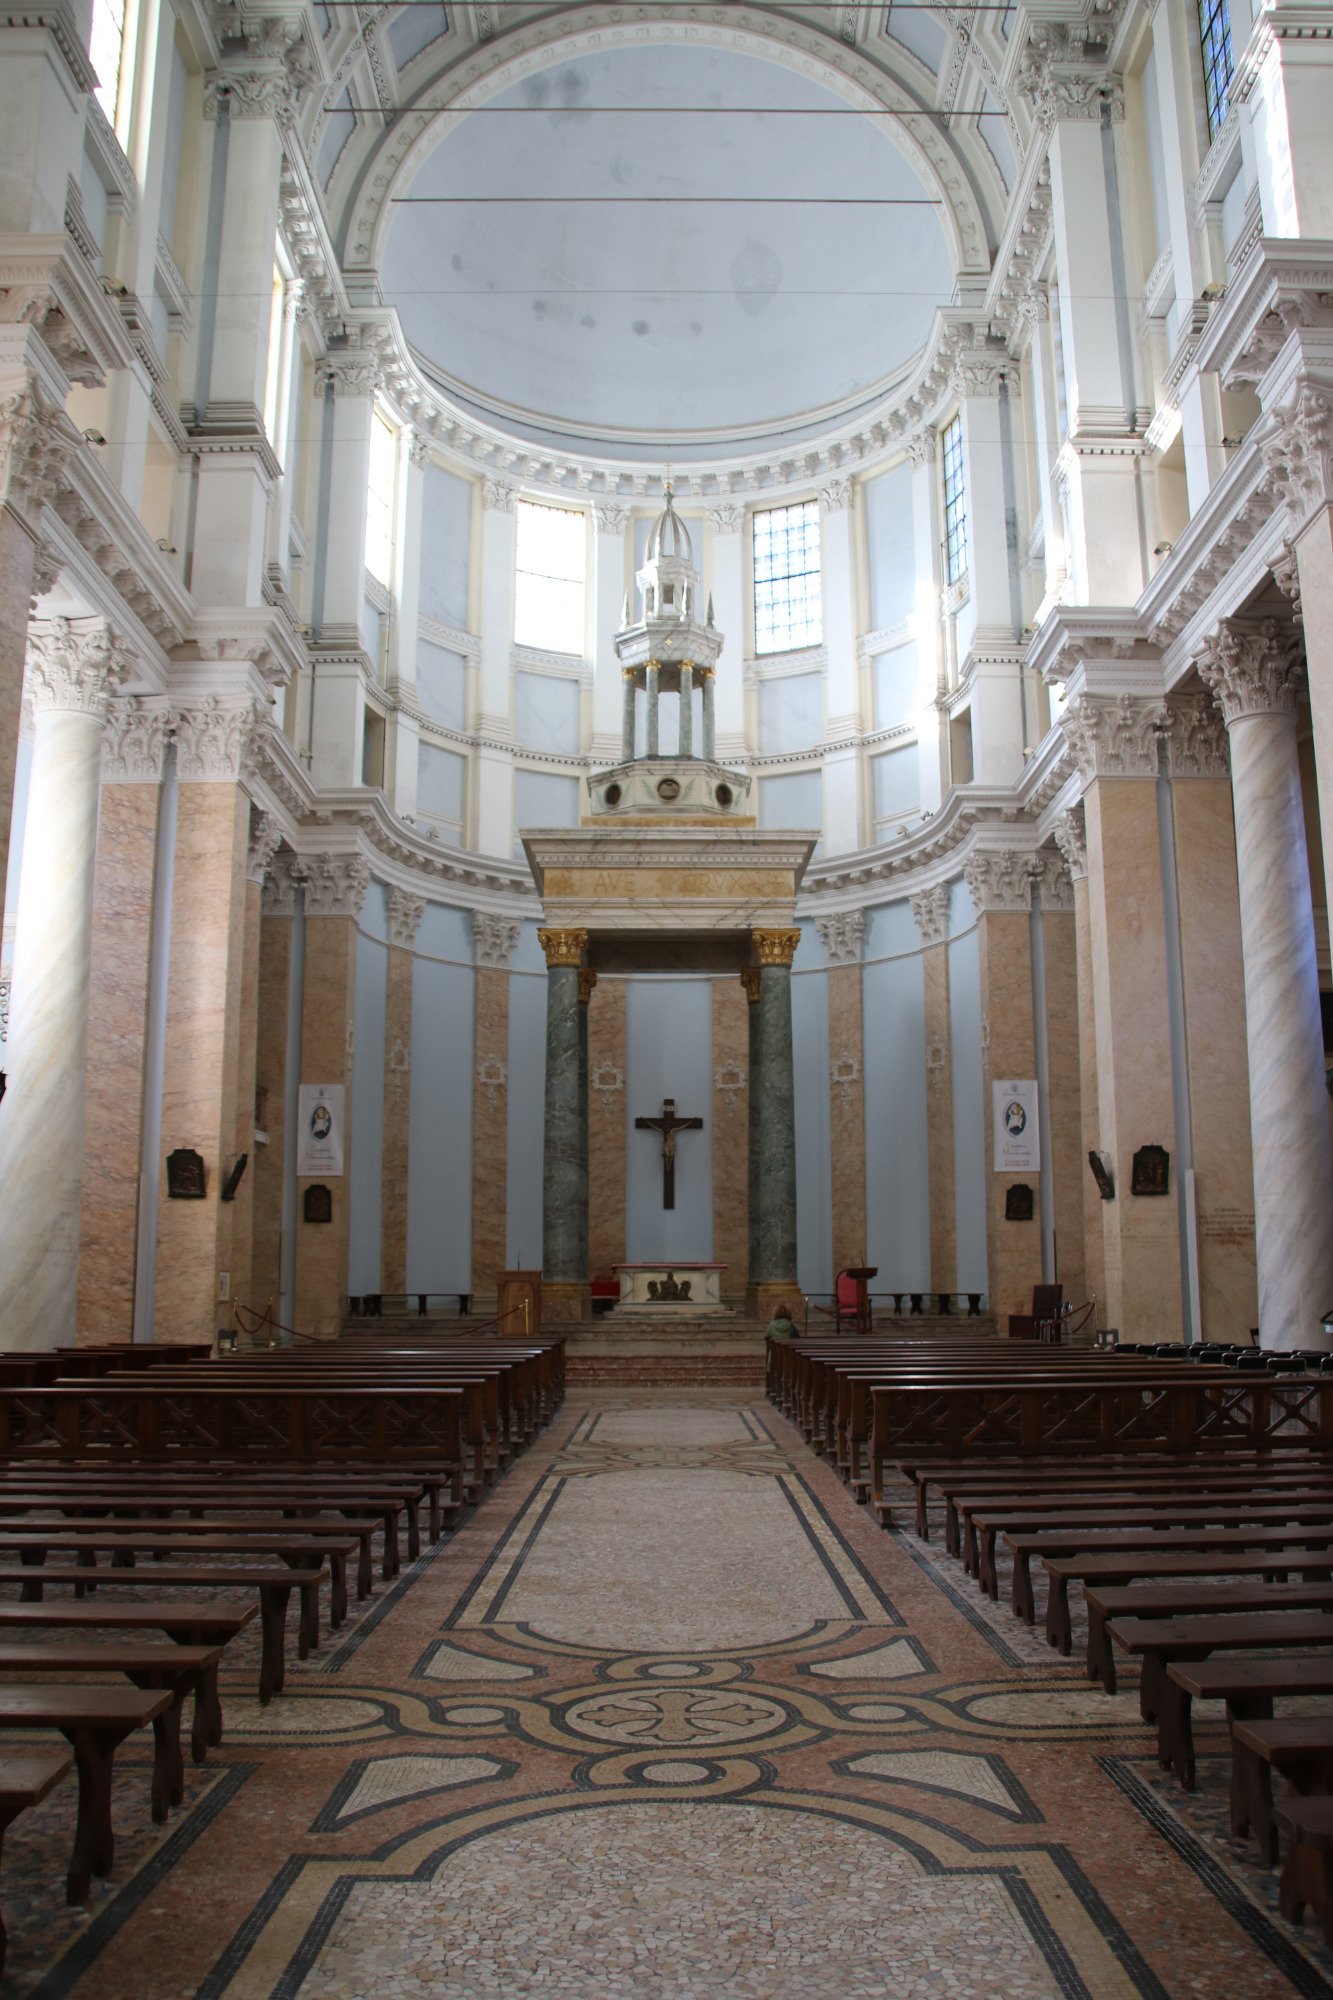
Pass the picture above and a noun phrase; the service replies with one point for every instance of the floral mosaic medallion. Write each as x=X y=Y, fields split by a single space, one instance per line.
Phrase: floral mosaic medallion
x=673 y=1718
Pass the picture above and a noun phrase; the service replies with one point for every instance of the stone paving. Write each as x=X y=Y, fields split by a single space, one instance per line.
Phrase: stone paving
x=669 y=1718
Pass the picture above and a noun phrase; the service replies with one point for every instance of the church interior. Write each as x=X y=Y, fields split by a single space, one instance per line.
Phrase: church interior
x=666 y=1016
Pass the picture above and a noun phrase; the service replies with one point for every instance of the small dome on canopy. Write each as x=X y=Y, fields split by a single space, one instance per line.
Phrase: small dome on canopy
x=670 y=537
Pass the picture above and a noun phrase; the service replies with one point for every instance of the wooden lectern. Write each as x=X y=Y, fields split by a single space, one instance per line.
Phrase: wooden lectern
x=520 y=1308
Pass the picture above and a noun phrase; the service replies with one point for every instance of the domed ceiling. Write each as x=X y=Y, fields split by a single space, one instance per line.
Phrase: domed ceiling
x=684 y=279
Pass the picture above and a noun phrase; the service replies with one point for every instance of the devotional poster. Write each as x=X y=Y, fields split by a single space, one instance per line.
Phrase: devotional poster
x=319 y=1125
x=1017 y=1141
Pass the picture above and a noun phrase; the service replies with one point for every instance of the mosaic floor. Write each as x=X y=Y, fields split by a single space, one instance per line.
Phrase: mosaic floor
x=668 y=1718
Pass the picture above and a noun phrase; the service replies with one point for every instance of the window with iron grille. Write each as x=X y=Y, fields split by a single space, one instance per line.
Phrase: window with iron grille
x=788 y=605
x=550 y=565
x=1215 y=43
x=955 y=502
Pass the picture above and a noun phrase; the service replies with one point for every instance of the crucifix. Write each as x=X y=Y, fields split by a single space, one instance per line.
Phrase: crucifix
x=668 y=1125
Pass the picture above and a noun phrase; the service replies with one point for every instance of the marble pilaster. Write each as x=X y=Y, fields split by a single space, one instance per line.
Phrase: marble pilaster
x=493 y=941
x=774 y=1130
x=730 y=1128
x=1115 y=742
x=264 y=836
x=930 y=907
x=334 y=892
x=405 y=913
x=1062 y=1142
x=275 y=971
x=72 y=669
x=123 y=886
x=1253 y=670
x=16 y=556
x=754 y=1052
x=1313 y=554
x=1000 y=887
x=843 y=937
x=1213 y=978
x=1071 y=838
x=607 y=1060
x=564 y=1217
x=587 y=987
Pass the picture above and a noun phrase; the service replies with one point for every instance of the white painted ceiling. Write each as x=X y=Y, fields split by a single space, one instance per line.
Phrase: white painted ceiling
x=676 y=324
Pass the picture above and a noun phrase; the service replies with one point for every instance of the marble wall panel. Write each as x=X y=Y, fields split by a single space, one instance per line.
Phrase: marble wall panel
x=1214 y=982
x=1127 y=931
x=204 y=975
x=847 y=1115
x=16 y=553
x=731 y=1137
x=275 y=956
x=114 y=1069
x=939 y=1118
x=326 y=1022
x=1013 y=1249
x=1062 y=1143
x=1094 y=1249
x=607 y=1061
x=490 y=1132
x=243 y=1138
x=397 y=1079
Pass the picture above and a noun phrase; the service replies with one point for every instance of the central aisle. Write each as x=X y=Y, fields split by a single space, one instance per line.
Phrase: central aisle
x=671 y=1718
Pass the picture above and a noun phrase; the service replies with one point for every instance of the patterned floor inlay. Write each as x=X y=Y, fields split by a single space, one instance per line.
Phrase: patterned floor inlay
x=669 y=1718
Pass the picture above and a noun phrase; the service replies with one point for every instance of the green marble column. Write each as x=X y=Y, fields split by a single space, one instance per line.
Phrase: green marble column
x=587 y=980
x=750 y=981
x=774 y=1129
x=564 y=1174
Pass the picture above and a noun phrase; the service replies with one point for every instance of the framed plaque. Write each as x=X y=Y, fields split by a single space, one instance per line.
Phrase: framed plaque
x=317 y=1203
x=1152 y=1170
x=185 y=1175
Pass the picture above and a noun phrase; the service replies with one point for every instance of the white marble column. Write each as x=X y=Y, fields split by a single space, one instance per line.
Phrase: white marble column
x=73 y=668
x=1253 y=671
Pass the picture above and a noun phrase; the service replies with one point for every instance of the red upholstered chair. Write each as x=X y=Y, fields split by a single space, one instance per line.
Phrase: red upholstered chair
x=852 y=1298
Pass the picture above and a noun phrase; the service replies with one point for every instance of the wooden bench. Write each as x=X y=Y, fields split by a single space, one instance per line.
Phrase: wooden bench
x=1169 y=1600
x=1300 y=1748
x=186 y=1624
x=1160 y=1642
x=275 y=1587
x=1249 y=1687
x=177 y=1670
x=1110 y=1572
x=1304 y=1881
x=94 y=1722
x=1079 y=1542
x=25 y=1781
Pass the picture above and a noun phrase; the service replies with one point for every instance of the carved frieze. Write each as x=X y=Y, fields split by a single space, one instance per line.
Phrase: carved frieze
x=842 y=936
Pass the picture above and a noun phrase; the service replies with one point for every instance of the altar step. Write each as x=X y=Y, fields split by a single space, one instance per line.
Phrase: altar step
x=615 y=1350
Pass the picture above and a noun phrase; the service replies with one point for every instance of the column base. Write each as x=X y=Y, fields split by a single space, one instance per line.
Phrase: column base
x=564 y=1301
x=764 y=1296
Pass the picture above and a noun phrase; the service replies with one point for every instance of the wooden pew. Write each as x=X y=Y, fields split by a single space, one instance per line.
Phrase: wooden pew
x=1304 y=1881
x=1300 y=1748
x=24 y=1782
x=1310 y=1554
x=1079 y=1543
x=1170 y=1600
x=94 y=1722
x=1248 y=1686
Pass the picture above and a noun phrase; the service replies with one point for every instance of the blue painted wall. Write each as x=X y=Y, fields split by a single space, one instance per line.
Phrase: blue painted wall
x=897 y=1185
x=439 y=1204
x=366 y=1124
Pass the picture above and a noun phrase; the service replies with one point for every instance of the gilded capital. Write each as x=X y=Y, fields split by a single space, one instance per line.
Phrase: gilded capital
x=750 y=981
x=775 y=947
x=587 y=980
x=563 y=947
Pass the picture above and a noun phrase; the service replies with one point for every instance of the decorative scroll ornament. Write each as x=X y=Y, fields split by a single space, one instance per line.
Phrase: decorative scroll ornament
x=587 y=983
x=250 y=94
x=213 y=740
x=405 y=914
x=607 y=1081
x=1287 y=577
x=134 y=741
x=1071 y=837
x=750 y=981
x=265 y=839
x=492 y=1075
x=563 y=947
x=611 y=518
x=775 y=948
x=418 y=447
x=1251 y=669
x=920 y=449
x=844 y=1074
x=493 y=940
x=335 y=884
x=726 y=520
x=729 y=1079
x=841 y=936
x=836 y=496
x=73 y=667
x=355 y=375
x=498 y=496
x=1000 y=883
x=930 y=907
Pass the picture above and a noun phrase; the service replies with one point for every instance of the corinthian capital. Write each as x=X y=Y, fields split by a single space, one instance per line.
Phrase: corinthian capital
x=405 y=914
x=265 y=839
x=1195 y=738
x=335 y=884
x=74 y=667
x=134 y=742
x=1298 y=451
x=250 y=93
x=36 y=438
x=1251 y=669
x=493 y=940
x=1000 y=883
x=213 y=739
x=842 y=936
x=1114 y=736
x=930 y=907
x=1071 y=837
